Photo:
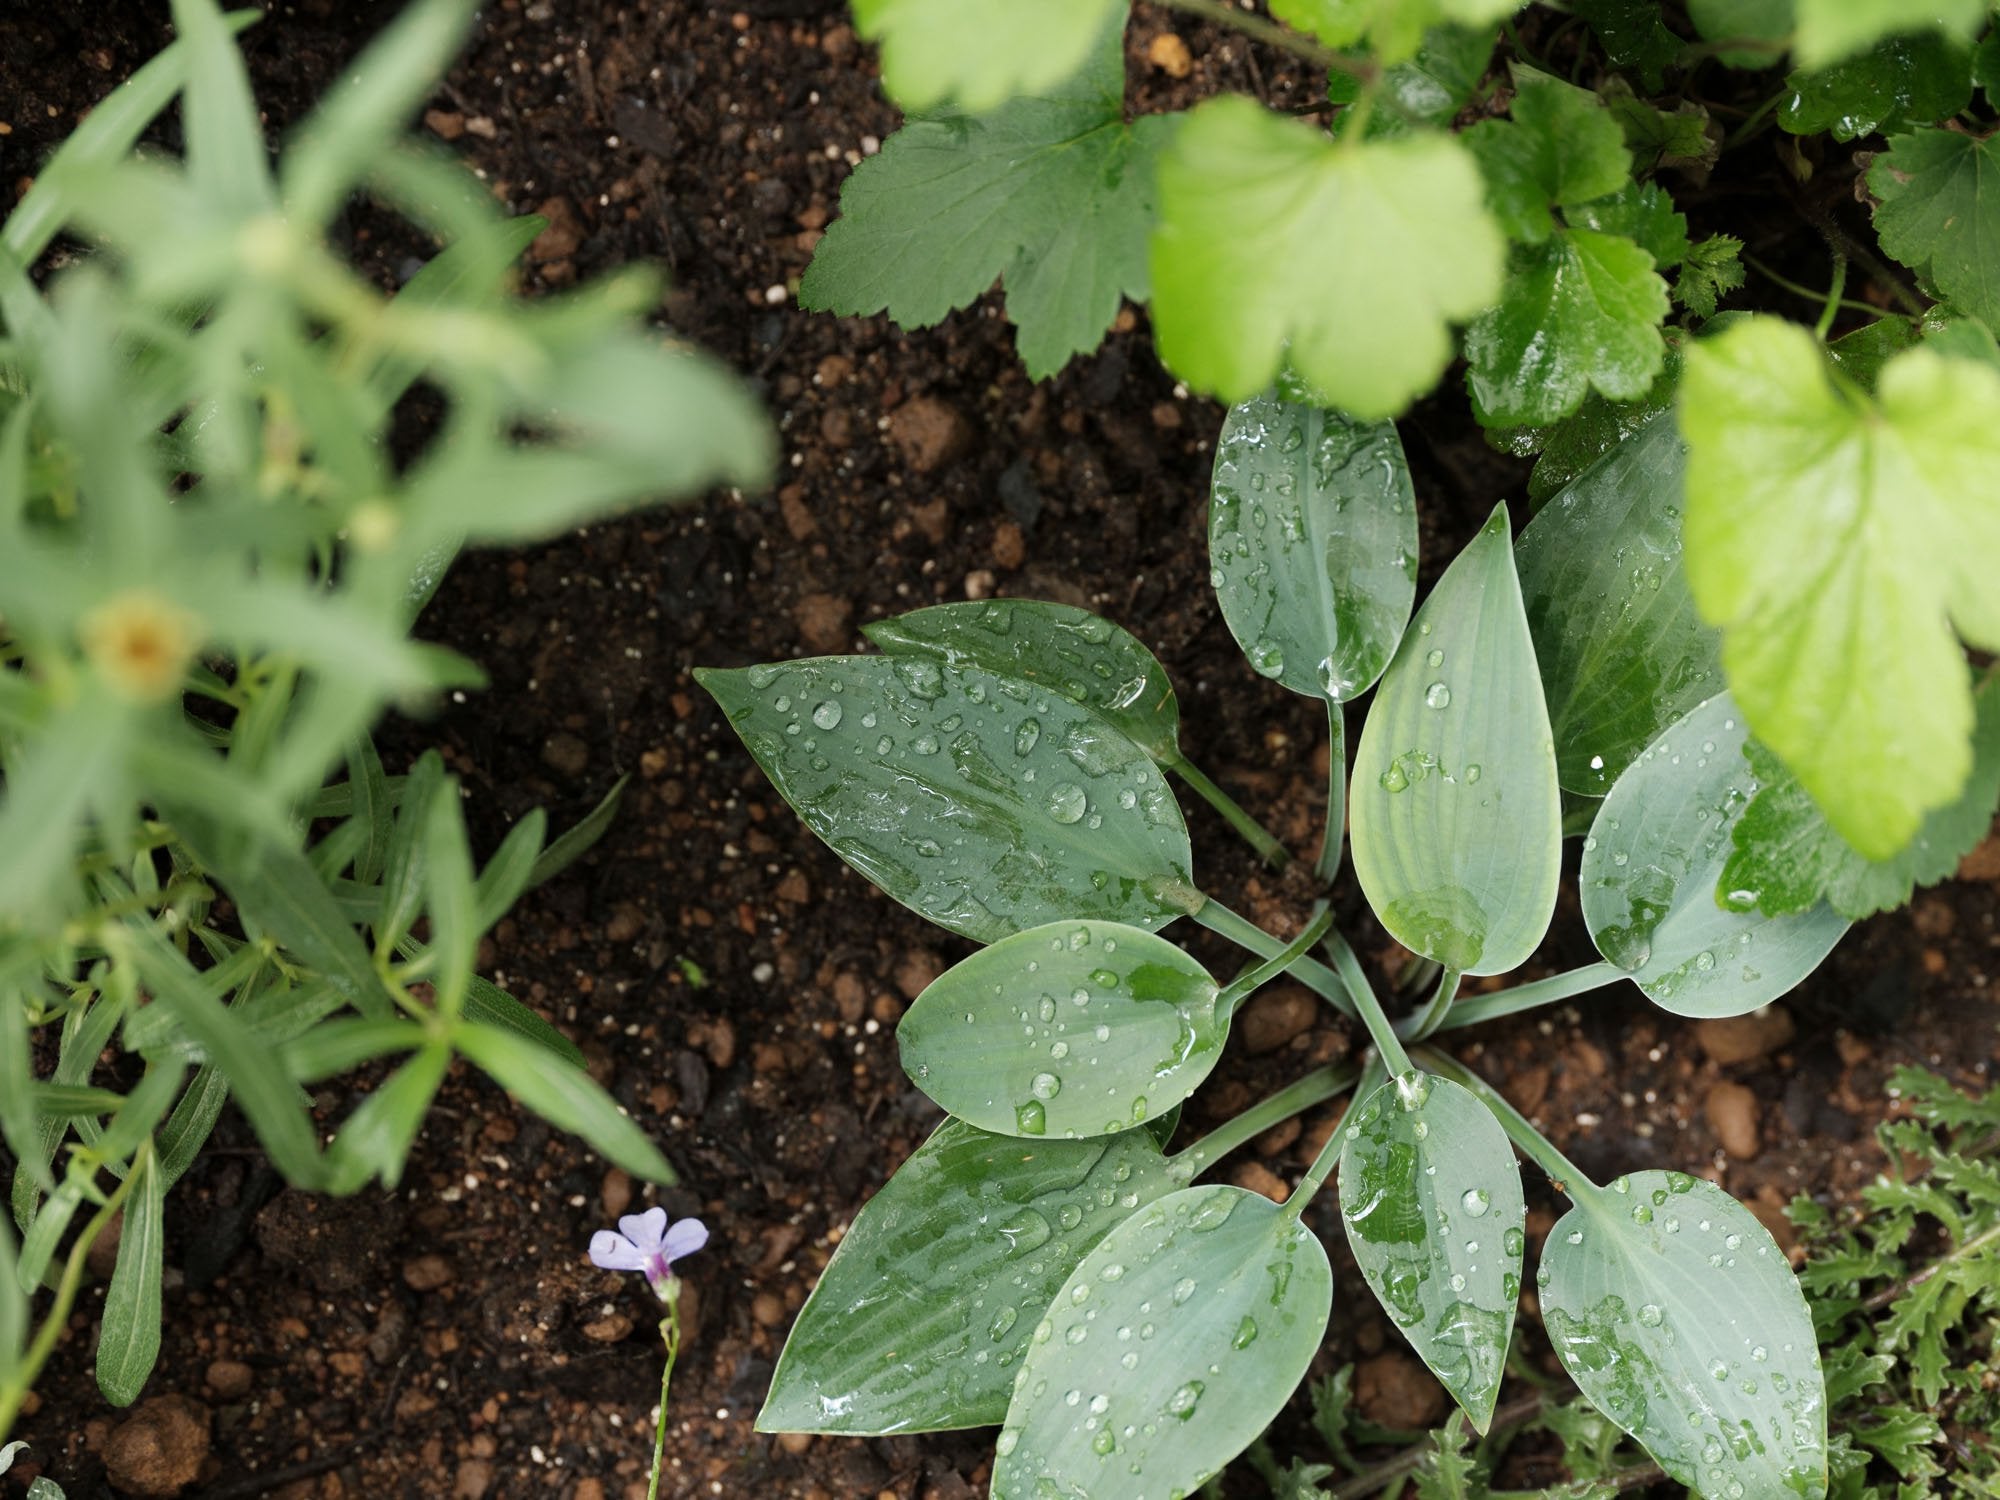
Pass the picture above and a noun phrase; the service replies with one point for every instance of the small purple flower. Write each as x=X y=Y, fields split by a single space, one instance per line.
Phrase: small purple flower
x=643 y=1242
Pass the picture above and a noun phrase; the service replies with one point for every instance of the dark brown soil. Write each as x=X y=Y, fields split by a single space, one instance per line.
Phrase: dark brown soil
x=733 y=984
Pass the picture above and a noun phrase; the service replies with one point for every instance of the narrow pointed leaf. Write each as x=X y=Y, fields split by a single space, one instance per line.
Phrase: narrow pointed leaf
x=577 y=840
x=1621 y=650
x=1072 y=1029
x=508 y=872
x=922 y=1317
x=1650 y=866
x=450 y=899
x=977 y=801
x=1083 y=656
x=567 y=1097
x=1456 y=816
x=1679 y=1318
x=486 y=1001
x=1431 y=1197
x=128 y=1341
x=1312 y=543
x=375 y=1140
x=1168 y=1350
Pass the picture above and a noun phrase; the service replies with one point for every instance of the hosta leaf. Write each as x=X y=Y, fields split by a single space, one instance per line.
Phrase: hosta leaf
x=981 y=802
x=1837 y=540
x=1312 y=543
x=1938 y=212
x=927 y=1307
x=1181 y=1335
x=1073 y=1029
x=1622 y=651
x=1593 y=430
x=1393 y=29
x=980 y=52
x=1906 y=81
x=1561 y=146
x=1829 y=30
x=1083 y=656
x=1050 y=193
x=1679 y=1319
x=1431 y=1198
x=1581 y=311
x=1649 y=872
x=1457 y=830
x=1786 y=858
x=1362 y=256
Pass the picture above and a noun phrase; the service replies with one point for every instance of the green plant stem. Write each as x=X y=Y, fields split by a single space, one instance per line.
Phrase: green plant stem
x=1328 y=864
x=1316 y=1087
x=1427 y=1020
x=1529 y=1141
x=1259 y=29
x=1394 y=1058
x=1329 y=1151
x=1245 y=985
x=1253 y=833
x=670 y=1335
x=1314 y=975
x=21 y=1379
x=1832 y=309
x=1529 y=996
x=1830 y=298
x=1889 y=1294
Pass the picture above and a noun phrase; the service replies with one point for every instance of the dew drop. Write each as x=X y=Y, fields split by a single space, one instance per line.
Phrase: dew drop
x=1650 y=1315
x=1434 y=657
x=1025 y=737
x=1267 y=658
x=1046 y=1085
x=1067 y=803
x=1031 y=1118
x=1183 y=1401
x=1475 y=1202
x=827 y=715
x=1183 y=1289
x=1437 y=695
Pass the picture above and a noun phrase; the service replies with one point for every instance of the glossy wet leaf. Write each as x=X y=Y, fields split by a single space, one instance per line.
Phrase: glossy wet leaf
x=1560 y=147
x=1907 y=81
x=1428 y=88
x=1650 y=866
x=1622 y=651
x=1679 y=1319
x=1431 y=1198
x=1083 y=656
x=1572 y=445
x=1312 y=543
x=1456 y=816
x=984 y=803
x=1072 y=1029
x=1938 y=212
x=1363 y=254
x=1166 y=1352
x=924 y=1313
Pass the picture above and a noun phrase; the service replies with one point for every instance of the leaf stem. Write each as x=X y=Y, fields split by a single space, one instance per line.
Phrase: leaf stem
x=1328 y=864
x=1259 y=29
x=1253 y=833
x=1432 y=1016
x=1394 y=1058
x=1314 y=975
x=1831 y=298
x=1832 y=309
x=1531 y=1143
x=1245 y=985
x=1294 y=1098
x=1894 y=1293
x=1529 y=996
x=670 y=1335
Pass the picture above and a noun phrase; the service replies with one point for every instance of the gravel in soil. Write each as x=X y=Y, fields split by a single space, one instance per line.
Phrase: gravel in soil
x=729 y=980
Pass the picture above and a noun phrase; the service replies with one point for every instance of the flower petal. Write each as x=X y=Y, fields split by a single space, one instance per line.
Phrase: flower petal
x=686 y=1237
x=644 y=1230
x=614 y=1252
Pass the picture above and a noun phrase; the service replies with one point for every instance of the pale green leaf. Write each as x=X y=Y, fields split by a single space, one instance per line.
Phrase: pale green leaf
x=1428 y=88
x=1648 y=878
x=1829 y=30
x=1837 y=540
x=375 y=1140
x=1456 y=817
x=1906 y=81
x=1052 y=194
x=1938 y=212
x=1227 y=1297
x=1348 y=260
x=1393 y=29
x=567 y=1097
x=981 y=52
x=1766 y=23
x=1561 y=146
x=128 y=1340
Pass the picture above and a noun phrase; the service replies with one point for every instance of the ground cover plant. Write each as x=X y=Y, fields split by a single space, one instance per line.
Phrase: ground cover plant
x=212 y=558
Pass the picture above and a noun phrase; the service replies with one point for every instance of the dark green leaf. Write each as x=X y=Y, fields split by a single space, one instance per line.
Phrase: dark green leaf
x=72 y=1101
x=1083 y=656
x=1312 y=543
x=1226 y=1296
x=1456 y=816
x=403 y=872
x=1649 y=872
x=1643 y=213
x=1714 y=268
x=1633 y=36
x=510 y=870
x=187 y=1128
x=1052 y=194
x=1684 y=136
x=978 y=801
x=1986 y=67
x=1561 y=147
x=487 y=1002
x=1678 y=1317
x=373 y=810
x=1621 y=650
x=564 y=1096
x=1938 y=212
x=1073 y=1029
x=1575 y=443
x=1431 y=1197
x=1906 y=81
x=128 y=1339
x=1429 y=89
x=375 y=1140
x=574 y=842
x=340 y=1046
x=13 y=1304
x=927 y=1307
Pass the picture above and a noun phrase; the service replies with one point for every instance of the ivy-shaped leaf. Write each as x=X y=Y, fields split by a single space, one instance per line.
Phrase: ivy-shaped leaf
x=981 y=52
x=1838 y=540
x=1829 y=30
x=1428 y=88
x=1644 y=214
x=1633 y=36
x=1351 y=259
x=1051 y=193
x=1561 y=147
x=1906 y=81
x=1393 y=29
x=1939 y=214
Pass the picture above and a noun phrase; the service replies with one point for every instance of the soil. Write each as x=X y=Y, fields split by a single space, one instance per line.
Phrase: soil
x=731 y=982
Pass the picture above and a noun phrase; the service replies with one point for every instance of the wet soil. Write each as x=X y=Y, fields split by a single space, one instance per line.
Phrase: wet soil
x=734 y=985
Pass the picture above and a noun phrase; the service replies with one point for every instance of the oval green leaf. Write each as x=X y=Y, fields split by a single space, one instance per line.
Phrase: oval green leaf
x=1678 y=1317
x=1072 y=1029
x=1456 y=816
x=1659 y=844
x=1083 y=656
x=1622 y=651
x=1431 y=1197
x=1166 y=1352
x=1312 y=543
x=925 y=1311
x=984 y=803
